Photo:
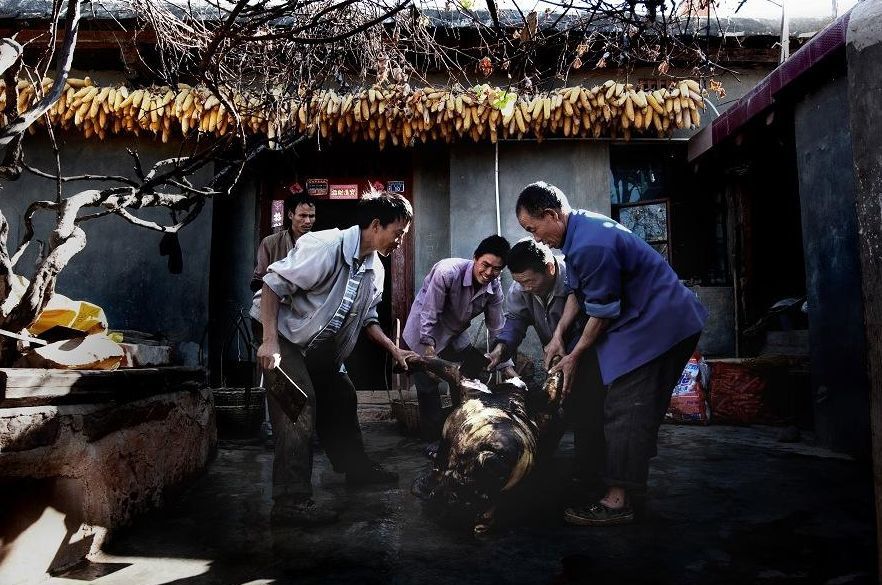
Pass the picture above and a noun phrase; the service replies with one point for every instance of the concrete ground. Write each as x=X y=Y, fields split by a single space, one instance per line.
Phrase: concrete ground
x=727 y=505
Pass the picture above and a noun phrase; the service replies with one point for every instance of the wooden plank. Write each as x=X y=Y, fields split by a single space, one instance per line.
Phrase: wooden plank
x=63 y=396
x=402 y=267
x=30 y=383
x=86 y=39
x=24 y=377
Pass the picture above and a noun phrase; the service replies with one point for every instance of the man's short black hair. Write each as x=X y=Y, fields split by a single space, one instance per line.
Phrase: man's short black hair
x=529 y=254
x=496 y=245
x=291 y=203
x=539 y=196
x=385 y=206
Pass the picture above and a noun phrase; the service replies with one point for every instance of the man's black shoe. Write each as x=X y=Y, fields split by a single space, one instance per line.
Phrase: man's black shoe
x=422 y=487
x=431 y=450
x=303 y=513
x=370 y=473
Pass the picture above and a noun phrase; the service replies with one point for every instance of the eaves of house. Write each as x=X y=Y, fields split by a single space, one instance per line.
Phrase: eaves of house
x=773 y=88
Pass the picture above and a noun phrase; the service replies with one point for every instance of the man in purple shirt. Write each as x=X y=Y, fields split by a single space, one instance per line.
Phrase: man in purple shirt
x=643 y=323
x=454 y=292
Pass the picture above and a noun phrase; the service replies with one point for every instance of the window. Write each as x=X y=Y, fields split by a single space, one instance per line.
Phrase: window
x=640 y=180
x=641 y=183
x=651 y=83
x=649 y=221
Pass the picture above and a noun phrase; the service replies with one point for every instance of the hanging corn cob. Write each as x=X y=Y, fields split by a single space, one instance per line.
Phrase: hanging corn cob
x=386 y=115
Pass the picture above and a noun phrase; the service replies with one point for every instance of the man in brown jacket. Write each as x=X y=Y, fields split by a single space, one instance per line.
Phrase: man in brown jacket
x=299 y=219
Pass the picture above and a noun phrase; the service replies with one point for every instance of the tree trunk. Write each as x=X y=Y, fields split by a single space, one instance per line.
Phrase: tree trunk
x=8 y=351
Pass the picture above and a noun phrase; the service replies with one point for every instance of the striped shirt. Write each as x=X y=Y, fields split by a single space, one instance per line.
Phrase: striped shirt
x=342 y=311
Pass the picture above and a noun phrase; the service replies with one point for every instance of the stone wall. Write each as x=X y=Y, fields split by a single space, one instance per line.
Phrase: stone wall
x=831 y=239
x=82 y=453
x=121 y=268
x=455 y=198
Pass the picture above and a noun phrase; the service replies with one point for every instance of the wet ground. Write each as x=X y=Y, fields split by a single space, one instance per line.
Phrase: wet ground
x=727 y=505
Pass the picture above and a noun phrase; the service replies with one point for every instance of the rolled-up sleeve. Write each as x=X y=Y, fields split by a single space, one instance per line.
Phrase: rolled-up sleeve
x=372 y=316
x=263 y=261
x=493 y=316
x=595 y=275
x=302 y=269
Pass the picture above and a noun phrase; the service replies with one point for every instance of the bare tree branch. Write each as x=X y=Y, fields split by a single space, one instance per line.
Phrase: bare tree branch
x=264 y=71
x=10 y=53
x=68 y=179
x=26 y=119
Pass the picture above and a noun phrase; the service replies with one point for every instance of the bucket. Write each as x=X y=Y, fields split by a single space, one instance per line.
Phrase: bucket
x=240 y=411
x=407 y=413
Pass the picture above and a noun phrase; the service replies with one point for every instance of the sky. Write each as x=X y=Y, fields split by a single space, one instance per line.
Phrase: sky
x=795 y=8
x=770 y=9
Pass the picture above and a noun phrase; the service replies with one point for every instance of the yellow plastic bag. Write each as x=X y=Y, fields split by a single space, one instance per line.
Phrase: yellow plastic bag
x=79 y=315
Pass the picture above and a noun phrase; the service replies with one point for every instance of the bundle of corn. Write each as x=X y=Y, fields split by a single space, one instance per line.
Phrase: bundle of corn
x=99 y=111
x=397 y=115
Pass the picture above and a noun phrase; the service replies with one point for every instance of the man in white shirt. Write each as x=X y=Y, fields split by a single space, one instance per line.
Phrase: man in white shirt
x=315 y=303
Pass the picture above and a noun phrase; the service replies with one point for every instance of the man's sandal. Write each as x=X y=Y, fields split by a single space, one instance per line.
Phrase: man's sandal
x=598 y=514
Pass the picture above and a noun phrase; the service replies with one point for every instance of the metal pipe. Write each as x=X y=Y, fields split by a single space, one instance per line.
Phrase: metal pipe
x=496 y=186
x=785 y=33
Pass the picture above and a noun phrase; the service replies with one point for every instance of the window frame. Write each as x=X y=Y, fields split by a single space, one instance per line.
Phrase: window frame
x=668 y=241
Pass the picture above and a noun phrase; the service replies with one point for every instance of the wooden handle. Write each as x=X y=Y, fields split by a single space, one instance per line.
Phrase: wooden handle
x=398 y=344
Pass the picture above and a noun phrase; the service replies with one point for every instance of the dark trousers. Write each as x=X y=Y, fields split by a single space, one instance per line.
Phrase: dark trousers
x=330 y=412
x=634 y=408
x=583 y=412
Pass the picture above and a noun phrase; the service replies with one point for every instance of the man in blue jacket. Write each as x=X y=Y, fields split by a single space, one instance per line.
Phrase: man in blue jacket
x=643 y=323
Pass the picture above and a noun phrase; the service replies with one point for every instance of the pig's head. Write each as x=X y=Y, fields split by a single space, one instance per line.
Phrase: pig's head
x=490 y=447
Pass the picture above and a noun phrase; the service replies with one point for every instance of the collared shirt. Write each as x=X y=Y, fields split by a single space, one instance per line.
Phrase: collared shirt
x=616 y=275
x=312 y=281
x=272 y=248
x=333 y=326
x=446 y=304
x=523 y=309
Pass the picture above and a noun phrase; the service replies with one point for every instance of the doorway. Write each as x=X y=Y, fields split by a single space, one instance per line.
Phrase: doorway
x=362 y=166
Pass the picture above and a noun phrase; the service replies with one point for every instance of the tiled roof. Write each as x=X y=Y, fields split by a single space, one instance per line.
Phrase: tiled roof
x=736 y=26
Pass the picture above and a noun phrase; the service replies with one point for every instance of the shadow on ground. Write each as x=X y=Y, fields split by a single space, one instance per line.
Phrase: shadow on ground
x=727 y=505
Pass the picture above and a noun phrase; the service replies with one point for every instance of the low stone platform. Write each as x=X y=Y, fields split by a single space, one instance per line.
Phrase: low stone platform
x=83 y=452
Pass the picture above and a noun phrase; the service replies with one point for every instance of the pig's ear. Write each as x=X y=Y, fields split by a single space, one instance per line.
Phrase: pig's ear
x=493 y=470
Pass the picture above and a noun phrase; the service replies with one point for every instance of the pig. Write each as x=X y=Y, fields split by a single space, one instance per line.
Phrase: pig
x=490 y=443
